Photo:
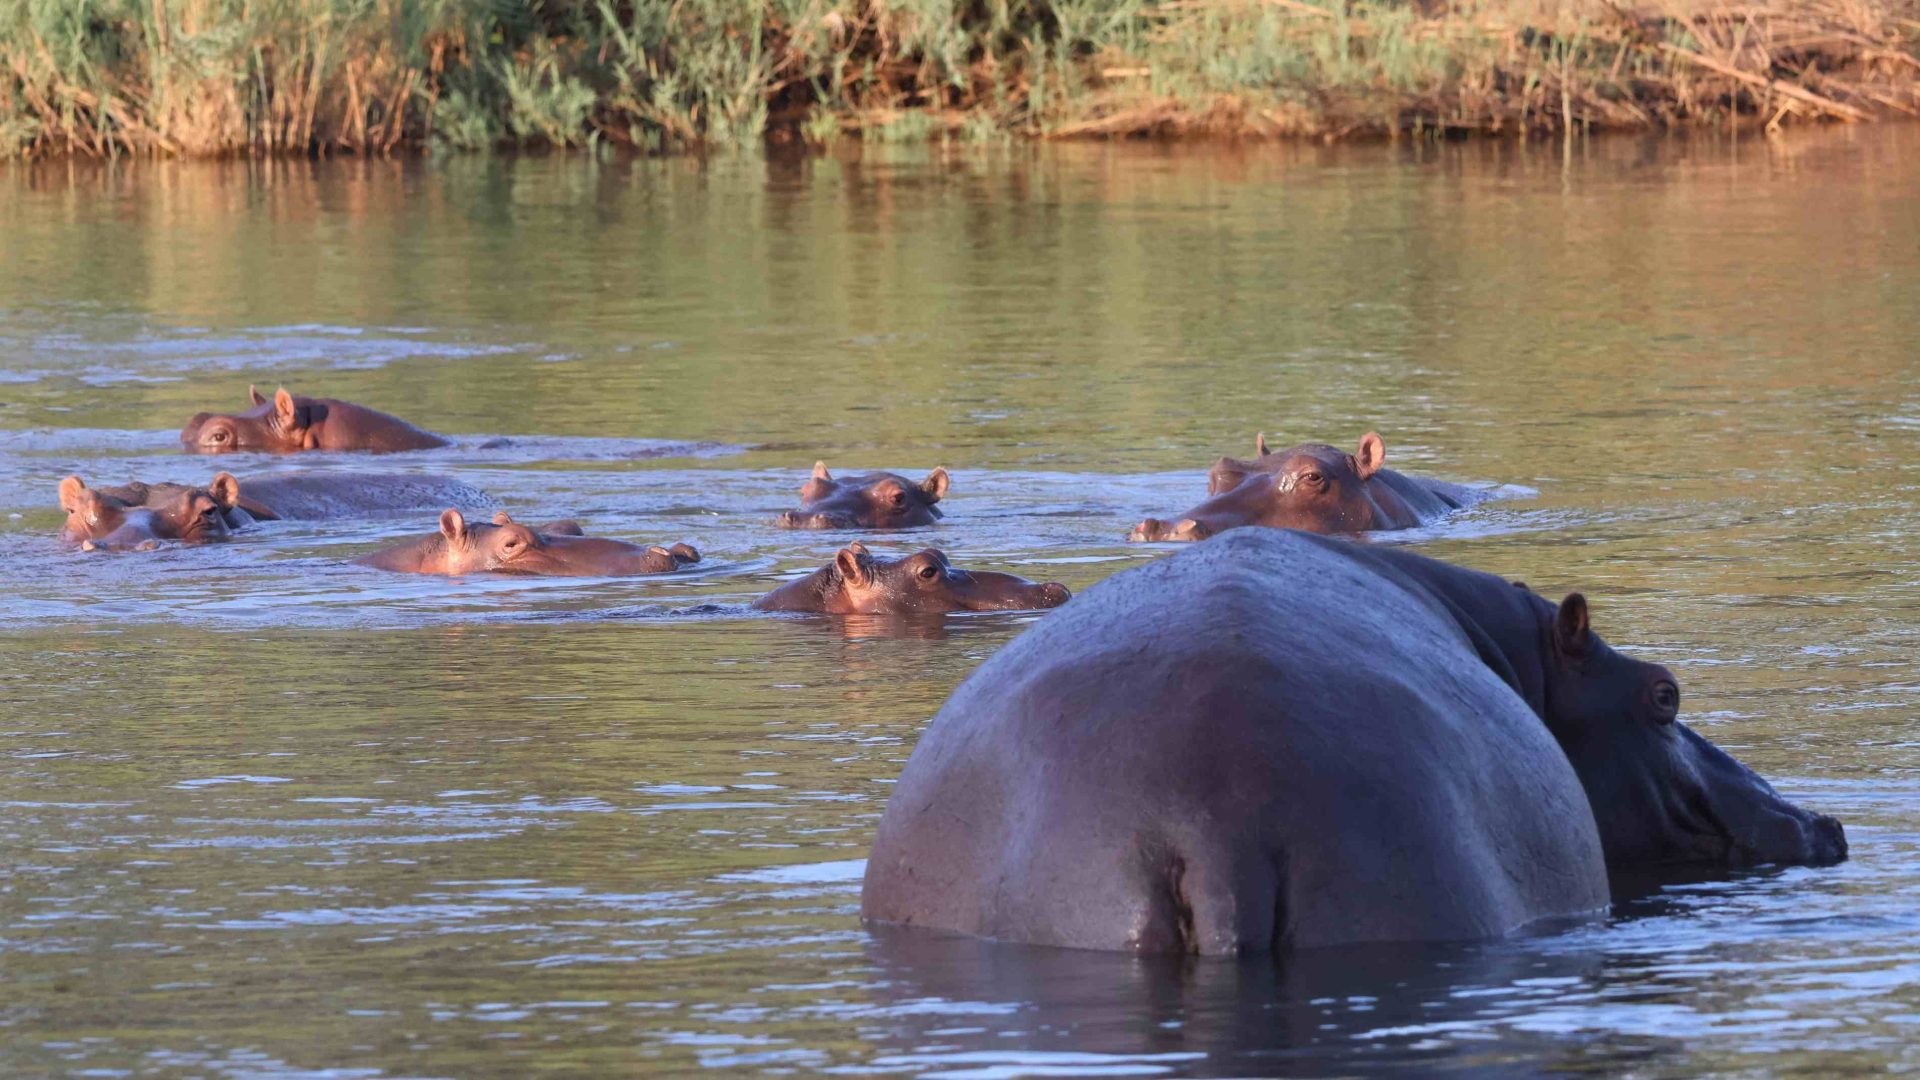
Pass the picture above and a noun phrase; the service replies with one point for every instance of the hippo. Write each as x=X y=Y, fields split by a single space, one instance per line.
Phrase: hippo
x=316 y=496
x=320 y=496
x=875 y=500
x=856 y=583
x=1315 y=487
x=508 y=547
x=142 y=516
x=1277 y=740
x=290 y=424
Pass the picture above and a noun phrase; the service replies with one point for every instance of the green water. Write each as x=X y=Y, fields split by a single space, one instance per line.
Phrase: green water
x=263 y=813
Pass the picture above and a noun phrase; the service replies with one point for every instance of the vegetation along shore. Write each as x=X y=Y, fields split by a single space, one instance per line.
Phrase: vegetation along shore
x=219 y=77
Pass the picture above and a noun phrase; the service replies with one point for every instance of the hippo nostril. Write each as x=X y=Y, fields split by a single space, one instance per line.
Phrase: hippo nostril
x=686 y=553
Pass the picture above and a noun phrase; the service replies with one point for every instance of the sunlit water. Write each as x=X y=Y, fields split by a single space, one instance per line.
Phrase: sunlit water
x=270 y=814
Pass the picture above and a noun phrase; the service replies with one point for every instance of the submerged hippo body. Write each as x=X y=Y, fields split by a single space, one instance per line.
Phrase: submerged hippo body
x=142 y=516
x=1314 y=487
x=289 y=424
x=508 y=547
x=321 y=496
x=875 y=500
x=1276 y=740
x=856 y=583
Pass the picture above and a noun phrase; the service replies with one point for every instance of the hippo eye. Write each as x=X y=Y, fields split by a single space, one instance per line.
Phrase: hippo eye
x=1666 y=702
x=1313 y=478
x=929 y=572
x=217 y=436
x=898 y=498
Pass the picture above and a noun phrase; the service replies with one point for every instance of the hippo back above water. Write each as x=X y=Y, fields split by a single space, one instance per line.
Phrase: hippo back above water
x=1276 y=740
x=1314 y=487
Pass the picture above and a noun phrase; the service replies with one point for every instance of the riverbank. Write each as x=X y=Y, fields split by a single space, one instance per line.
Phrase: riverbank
x=317 y=77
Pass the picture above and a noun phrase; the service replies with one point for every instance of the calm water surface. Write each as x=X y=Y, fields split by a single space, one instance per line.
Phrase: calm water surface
x=268 y=814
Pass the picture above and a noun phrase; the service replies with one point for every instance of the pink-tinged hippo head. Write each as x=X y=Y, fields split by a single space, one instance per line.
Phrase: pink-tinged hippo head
x=289 y=424
x=1312 y=487
x=142 y=516
x=508 y=547
x=857 y=583
x=875 y=500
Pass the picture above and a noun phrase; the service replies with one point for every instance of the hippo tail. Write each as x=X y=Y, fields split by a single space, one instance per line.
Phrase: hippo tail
x=1209 y=904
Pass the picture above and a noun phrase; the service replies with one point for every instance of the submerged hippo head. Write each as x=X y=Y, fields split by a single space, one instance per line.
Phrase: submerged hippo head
x=1662 y=794
x=143 y=515
x=1312 y=487
x=279 y=426
x=856 y=583
x=289 y=424
x=875 y=500
x=508 y=547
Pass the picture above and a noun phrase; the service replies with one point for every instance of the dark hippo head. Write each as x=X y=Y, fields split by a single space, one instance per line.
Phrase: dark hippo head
x=1312 y=487
x=141 y=516
x=856 y=583
x=875 y=500
x=274 y=427
x=1662 y=794
x=508 y=547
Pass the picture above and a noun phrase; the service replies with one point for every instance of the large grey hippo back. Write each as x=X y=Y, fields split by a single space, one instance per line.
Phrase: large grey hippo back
x=1259 y=743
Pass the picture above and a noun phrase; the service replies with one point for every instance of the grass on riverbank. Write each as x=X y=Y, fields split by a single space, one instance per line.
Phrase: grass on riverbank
x=208 y=77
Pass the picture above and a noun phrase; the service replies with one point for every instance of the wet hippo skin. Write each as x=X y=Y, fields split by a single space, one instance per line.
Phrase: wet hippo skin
x=508 y=547
x=1277 y=740
x=142 y=516
x=857 y=583
x=875 y=500
x=289 y=424
x=1315 y=487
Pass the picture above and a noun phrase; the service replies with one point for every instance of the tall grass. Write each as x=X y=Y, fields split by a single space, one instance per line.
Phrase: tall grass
x=205 y=77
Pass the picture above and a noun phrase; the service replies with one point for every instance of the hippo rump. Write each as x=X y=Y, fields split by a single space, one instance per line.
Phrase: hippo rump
x=508 y=547
x=856 y=583
x=874 y=500
x=1314 y=487
x=288 y=424
x=1276 y=740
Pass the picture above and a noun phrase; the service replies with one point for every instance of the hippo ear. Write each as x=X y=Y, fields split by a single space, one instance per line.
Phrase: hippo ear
x=452 y=525
x=935 y=485
x=284 y=410
x=855 y=565
x=500 y=517
x=1372 y=455
x=71 y=490
x=225 y=490
x=820 y=472
x=254 y=394
x=1570 y=634
x=1225 y=475
x=1260 y=445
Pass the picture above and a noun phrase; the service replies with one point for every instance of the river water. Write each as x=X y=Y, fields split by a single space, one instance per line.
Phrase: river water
x=269 y=814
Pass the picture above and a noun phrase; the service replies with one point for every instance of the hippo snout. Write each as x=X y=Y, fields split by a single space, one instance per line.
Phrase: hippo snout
x=1053 y=594
x=1829 y=840
x=813 y=519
